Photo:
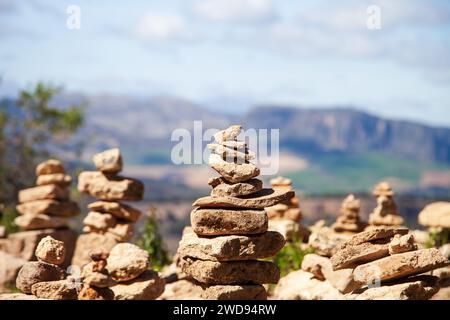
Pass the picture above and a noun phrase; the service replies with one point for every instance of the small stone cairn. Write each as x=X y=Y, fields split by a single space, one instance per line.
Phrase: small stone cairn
x=110 y=221
x=349 y=220
x=385 y=214
x=230 y=227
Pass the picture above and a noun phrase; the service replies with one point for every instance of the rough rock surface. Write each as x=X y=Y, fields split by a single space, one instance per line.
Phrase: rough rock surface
x=148 y=286
x=99 y=221
x=9 y=268
x=117 y=209
x=50 y=166
x=400 y=244
x=182 y=290
x=50 y=191
x=222 y=188
x=49 y=207
x=87 y=242
x=350 y=257
x=37 y=271
x=237 y=292
x=127 y=261
x=55 y=290
x=60 y=179
x=109 y=161
x=233 y=172
x=436 y=215
x=41 y=221
x=373 y=235
x=51 y=251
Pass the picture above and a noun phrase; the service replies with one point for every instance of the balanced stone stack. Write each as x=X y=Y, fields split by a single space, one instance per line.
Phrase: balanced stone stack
x=385 y=214
x=48 y=204
x=349 y=220
x=110 y=221
x=230 y=227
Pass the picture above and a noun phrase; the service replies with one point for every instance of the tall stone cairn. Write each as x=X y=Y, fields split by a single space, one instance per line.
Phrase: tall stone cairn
x=110 y=221
x=349 y=219
x=385 y=214
x=230 y=227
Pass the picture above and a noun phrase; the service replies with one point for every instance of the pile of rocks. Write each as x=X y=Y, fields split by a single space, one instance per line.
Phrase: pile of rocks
x=285 y=217
x=349 y=220
x=229 y=228
x=110 y=221
x=121 y=274
x=385 y=214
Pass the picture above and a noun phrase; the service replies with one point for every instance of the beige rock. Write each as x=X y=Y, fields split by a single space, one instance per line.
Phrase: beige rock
x=281 y=182
x=122 y=231
x=301 y=285
x=55 y=290
x=388 y=220
x=229 y=134
x=233 y=172
x=109 y=161
x=9 y=268
x=37 y=271
x=110 y=187
x=18 y=296
x=101 y=221
x=230 y=154
x=232 y=272
x=50 y=191
x=148 y=286
x=222 y=188
x=41 y=221
x=445 y=250
x=374 y=235
x=50 y=167
x=51 y=251
x=227 y=222
x=260 y=200
x=60 y=179
x=233 y=247
x=93 y=293
x=436 y=215
x=182 y=290
x=289 y=229
x=49 y=207
x=400 y=244
x=87 y=242
x=234 y=144
x=236 y=292
x=399 y=266
x=117 y=209
x=99 y=279
x=2 y=232
x=324 y=244
x=350 y=257
x=127 y=261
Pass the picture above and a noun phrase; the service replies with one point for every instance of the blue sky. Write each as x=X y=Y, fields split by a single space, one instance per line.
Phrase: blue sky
x=232 y=54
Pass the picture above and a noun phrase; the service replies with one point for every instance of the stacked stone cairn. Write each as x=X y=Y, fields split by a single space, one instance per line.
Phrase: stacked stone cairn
x=230 y=227
x=110 y=221
x=285 y=217
x=121 y=274
x=349 y=220
x=385 y=214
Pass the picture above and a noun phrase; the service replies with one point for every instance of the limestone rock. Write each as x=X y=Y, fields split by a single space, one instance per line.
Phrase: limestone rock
x=229 y=134
x=117 y=209
x=222 y=188
x=94 y=293
x=231 y=154
x=60 y=179
x=99 y=279
x=37 y=271
x=109 y=161
x=127 y=261
x=436 y=215
x=350 y=257
x=323 y=244
x=236 y=292
x=49 y=207
x=100 y=221
x=18 y=296
x=374 y=235
x=232 y=272
x=233 y=172
x=148 y=286
x=122 y=231
x=400 y=265
x=182 y=290
x=400 y=244
x=51 y=251
x=109 y=187
x=55 y=290
x=260 y=200
x=87 y=242
x=50 y=167
x=50 y=191
x=233 y=247
x=40 y=221
x=226 y=222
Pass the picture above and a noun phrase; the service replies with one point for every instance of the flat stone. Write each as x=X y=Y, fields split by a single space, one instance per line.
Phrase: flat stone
x=37 y=271
x=350 y=257
x=400 y=266
x=51 y=251
x=148 y=286
x=127 y=261
x=109 y=161
x=18 y=296
x=60 y=179
x=229 y=134
x=49 y=207
x=233 y=247
x=110 y=187
x=233 y=172
x=436 y=215
x=55 y=290
x=88 y=242
x=122 y=231
x=414 y=288
x=50 y=191
x=41 y=221
x=98 y=220
x=237 y=292
x=227 y=222
x=231 y=272
x=117 y=209
x=322 y=269
x=93 y=293
x=230 y=154
x=234 y=144
x=222 y=188
x=50 y=167
x=373 y=235
x=400 y=244
x=260 y=200
x=324 y=244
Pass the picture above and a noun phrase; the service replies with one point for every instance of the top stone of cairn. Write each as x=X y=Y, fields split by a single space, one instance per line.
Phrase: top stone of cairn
x=109 y=161
x=51 y=166
x=383 y=189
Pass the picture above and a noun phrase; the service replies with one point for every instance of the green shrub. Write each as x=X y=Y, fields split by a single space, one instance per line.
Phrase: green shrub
x=7 y=219
x=290 y=257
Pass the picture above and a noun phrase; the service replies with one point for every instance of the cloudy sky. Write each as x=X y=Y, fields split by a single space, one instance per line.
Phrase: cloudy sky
x=231 y=54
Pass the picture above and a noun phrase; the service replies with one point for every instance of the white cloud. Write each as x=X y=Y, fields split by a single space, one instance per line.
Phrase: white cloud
x=240 y=11
x=161 y=27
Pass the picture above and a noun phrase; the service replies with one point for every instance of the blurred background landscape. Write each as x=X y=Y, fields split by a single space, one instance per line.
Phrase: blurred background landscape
x=354 y=105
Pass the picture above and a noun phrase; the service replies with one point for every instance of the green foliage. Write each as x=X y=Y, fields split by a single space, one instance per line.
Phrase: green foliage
x=7 y=219
x=151 y=241
x=290 y=257
x=438 y=237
